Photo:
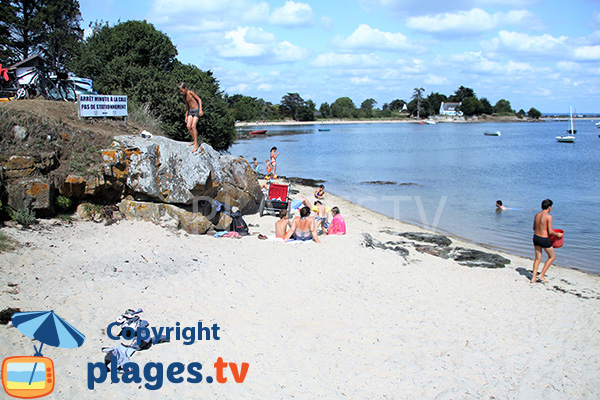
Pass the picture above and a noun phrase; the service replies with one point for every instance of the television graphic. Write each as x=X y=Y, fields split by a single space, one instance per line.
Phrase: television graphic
x=32 y=377
x=28 y=377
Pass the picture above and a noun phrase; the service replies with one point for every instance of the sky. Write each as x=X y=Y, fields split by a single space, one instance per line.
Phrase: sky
x=533 y=53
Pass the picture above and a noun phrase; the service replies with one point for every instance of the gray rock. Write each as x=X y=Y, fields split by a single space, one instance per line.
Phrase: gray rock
x=164 y=170
x=439 y=240
x=477 y=258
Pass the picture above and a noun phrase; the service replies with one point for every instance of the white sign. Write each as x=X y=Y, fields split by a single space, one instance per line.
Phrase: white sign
x=96 y=105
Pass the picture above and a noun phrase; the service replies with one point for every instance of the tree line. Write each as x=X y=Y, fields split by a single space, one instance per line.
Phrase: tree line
x=292 y=106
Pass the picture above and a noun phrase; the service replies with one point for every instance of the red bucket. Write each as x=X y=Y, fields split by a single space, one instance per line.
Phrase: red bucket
x=555 y=240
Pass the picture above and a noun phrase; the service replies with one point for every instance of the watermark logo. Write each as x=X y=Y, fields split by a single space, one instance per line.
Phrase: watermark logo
x=33 y=377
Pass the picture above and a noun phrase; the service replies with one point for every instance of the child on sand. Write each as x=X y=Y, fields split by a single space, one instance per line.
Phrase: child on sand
x=282 y=224
x=255 y=164
x=320 y=192
x=193 y=112
x=321 y=217
x=269 y=170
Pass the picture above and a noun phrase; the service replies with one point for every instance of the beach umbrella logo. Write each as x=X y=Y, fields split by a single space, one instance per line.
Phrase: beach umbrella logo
x=33 y=377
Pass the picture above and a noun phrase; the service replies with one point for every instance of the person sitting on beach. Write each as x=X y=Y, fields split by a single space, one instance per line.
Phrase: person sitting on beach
x=321 y=217
x=337 y=226
x=282 y=224
x=499 y=206
x=320 y=192
x=303 y=227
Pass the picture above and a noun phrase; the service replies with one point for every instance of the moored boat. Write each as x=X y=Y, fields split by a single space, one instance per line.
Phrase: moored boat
x=262 y=132
x=492 y=133
x=570 y=137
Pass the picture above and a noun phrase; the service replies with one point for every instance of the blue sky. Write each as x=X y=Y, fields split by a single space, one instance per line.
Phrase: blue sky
x=533 y=53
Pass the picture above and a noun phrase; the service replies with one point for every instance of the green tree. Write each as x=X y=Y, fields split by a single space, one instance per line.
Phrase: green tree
x=367 y=107
x=533 y=113
x=487 y=106
x=290 y=104
x=60 y=31
x=397 y=105
x=471 y=106
x=418 y=96
x=343 y=108
x=413 y=108
x=435 y=101
x=24 y=26
x=135 y=59
x=7 y=20
x=462 y=93
x=325 y=110
x=503 y=107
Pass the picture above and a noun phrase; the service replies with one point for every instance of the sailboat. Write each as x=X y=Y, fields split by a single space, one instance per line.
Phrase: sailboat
x=570 y=137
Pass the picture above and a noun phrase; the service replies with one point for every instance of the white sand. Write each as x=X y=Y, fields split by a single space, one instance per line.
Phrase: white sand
x=330 y=321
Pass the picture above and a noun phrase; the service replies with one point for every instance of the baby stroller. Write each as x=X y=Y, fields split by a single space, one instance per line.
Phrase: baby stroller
x=277 y=199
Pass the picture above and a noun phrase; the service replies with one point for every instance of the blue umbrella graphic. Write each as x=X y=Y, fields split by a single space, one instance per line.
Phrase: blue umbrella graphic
x=48 y=328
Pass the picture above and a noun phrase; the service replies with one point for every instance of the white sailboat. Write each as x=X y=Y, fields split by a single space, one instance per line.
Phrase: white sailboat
x=570 y=137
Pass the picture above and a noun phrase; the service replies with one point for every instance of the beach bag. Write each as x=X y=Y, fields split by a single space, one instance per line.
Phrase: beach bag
x=238 y=224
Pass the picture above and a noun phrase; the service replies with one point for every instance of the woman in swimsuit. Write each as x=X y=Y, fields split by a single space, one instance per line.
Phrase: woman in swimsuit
x=274 y=159
x=303 y=227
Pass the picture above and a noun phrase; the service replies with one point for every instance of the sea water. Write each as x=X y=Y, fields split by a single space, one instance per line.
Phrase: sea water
x=447 y=177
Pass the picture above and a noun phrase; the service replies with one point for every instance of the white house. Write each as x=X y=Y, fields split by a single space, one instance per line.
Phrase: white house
x=450 y=109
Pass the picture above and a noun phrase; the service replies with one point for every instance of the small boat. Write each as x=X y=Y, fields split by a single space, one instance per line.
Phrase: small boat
x=492 y=133
x=324 y=129
x=258 y=132
x=597 y=124
x=570 y=137
x=430 y=122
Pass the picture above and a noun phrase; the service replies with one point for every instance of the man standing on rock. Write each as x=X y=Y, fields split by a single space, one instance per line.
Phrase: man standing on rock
x=193 y=112
x=542 y=229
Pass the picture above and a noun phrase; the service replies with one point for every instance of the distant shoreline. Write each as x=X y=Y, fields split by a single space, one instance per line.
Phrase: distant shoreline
x=403 y=121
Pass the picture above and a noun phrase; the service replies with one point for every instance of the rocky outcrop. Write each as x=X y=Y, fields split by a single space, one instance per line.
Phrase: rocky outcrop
x=162 y=214
x=162 y=170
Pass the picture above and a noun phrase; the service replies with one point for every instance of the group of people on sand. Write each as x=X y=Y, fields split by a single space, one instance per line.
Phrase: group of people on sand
x=305 y=226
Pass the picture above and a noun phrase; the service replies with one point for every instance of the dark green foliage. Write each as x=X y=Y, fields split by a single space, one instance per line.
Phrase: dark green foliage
x=435 y=101
x=503 y=107
x=487 y=106
x=471 y=106
x=325 y=110
x=343 y=108
x=367 y=107
x=533 y=113
x=135 y=59
x=397 y=105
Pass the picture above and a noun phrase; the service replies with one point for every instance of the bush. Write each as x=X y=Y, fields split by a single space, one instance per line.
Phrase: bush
x=24 y=217
x=63 y=203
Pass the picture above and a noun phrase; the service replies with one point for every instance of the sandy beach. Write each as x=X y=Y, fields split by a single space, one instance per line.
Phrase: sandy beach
x=335 y=320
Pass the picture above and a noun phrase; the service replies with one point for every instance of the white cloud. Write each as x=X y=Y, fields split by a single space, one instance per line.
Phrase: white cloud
x=327 y=22
x=587 y=53
x=473 y=21
x=544 y=45
x=327 y=60
x=207 y=15
x=431 y=79
x=365 y=37
x=293 y=14
x=360 y=81
x=265 y=87
x=260 y=46
x=475 y=62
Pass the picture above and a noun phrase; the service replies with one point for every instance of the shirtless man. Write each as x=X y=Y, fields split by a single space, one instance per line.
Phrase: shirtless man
x=193 y=112
x=542 y=229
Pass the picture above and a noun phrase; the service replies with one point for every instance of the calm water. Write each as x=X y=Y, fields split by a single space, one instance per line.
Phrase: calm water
x=447 y=177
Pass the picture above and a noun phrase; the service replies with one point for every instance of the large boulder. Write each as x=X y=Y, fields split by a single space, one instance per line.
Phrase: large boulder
x=162 y=170
x=35 y=194
x=158 y=213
